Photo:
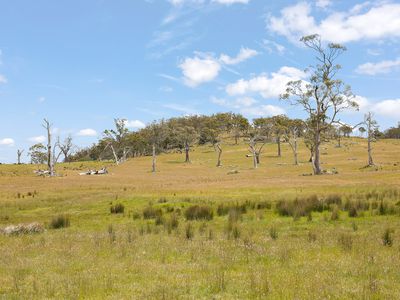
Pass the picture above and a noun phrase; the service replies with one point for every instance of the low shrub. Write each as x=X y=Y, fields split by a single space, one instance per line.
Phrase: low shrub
x=60 y=221
x=273 y=232
x=150 y=212
x=198 y=212
x=118 y=208
x=300 y=207
x=189 y=231
x=345 y=240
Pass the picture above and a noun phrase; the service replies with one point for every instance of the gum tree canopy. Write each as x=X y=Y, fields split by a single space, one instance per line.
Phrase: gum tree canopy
x=324 y=96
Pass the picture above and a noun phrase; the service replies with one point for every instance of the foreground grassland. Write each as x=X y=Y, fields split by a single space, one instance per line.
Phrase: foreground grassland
x=269 y=233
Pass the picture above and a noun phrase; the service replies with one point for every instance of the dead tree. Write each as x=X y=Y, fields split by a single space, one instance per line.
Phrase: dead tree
x=19 y=154
x=66 y=147
x=50 y=158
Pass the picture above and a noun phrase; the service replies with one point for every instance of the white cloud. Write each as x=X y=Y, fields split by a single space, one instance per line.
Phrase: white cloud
x=7 y=142
x=263 y=111
x=387 y=108
x=37 y=139
x=272 y=47
x=3 y=79
x=382 y=67
x=380 y=21
x=323 y=3
x=237 y=104
x=41 y=99
x=244 y=54
x=198 y=70
x=136 y=124
x=267 y=86
x=229 y=2
x=204 y=67
x=87 y=132
x=363 y=103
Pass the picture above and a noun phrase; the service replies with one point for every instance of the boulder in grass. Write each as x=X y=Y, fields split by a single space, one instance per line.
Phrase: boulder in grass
x=30 y=228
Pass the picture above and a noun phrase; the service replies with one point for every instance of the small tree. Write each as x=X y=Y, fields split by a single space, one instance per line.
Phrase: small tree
x=116 y=140
x=323 y=97
x=371 y=127
x=38 y=154
x=66 y=147
x=239 y=126
x=186 y=136
x=294 y=129
x=362 y=130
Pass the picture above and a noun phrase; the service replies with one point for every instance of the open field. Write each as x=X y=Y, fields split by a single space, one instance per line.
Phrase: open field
x=251 y=239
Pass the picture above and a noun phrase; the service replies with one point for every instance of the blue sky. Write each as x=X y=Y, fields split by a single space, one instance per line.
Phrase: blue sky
x=82 y=63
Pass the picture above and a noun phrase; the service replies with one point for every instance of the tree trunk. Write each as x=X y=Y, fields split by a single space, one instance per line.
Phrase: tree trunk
x=316 y=158
x=257 y=157
x=154 y=159
x=219 y=156
x=370 y=160
x=19 y=154
x=236 y=139
x=50 y=159
x=296 y=162
x=114 y=154
x=187 y=149
x=278 y=141
x=339 y=139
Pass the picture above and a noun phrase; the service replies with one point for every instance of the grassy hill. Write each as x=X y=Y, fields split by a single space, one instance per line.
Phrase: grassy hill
x=273 y=232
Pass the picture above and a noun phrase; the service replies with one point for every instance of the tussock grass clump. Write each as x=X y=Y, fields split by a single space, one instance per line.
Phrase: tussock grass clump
x=150 y=212
x=334 y=199
x=273 y=232
x=300 y=207
x=387 y=237
x=197 y=212
x=223 y=210
x=353 y=212
x=118 y=208
x=60 y=221
x=335 y=214
x=345 y=240
x=189 y=231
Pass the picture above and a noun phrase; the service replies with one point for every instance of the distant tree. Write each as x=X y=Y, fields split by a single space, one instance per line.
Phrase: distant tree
x=371 y=126
x=115 y=140
x=38 y=154
x=239 y=126
x=293 y=130
x=156 y=134
x=323 y=97
x=362 y=130
x=19 y=154
x=186 y=136
x=66 y=147
x=392 y=132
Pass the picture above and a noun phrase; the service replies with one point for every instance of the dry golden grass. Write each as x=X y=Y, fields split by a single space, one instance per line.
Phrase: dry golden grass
x=123 y=256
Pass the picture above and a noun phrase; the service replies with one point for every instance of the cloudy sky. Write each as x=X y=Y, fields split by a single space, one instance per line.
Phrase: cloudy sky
x=82 y=63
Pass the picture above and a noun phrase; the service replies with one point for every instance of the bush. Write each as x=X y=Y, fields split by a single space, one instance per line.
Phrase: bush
x=60 y=221
x=197 y=212
x=118 y=208
x=150 y=212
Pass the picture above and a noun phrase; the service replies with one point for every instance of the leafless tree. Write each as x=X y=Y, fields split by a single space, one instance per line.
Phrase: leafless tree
x=219 y=148
x=371 y=127
x=19 y=154
x=66 y=147
x=50 y=160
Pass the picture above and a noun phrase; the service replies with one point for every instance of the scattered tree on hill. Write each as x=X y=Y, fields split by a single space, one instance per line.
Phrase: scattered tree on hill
x=293 y=130
x=115 y=140
x=19 y=154
x=372 y=128
x=323 y=97
x=66 y=147
x=38 y=154
x=239 y=126
x=392 y=132
x=186 y=136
